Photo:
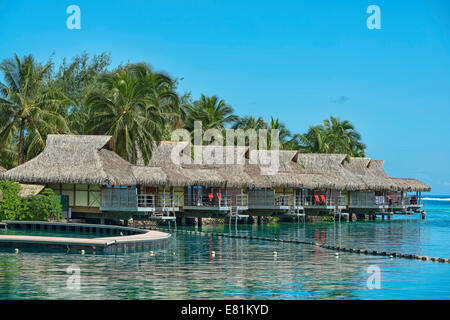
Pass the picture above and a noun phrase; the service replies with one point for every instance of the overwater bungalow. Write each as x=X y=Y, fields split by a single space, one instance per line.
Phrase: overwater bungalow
x=94 y=182
x=383 y=192
x=85 y=172
x=332 y=195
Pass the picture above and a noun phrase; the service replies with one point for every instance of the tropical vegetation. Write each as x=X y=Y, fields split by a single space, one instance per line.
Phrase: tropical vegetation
x=134 y=103
x=43 y=207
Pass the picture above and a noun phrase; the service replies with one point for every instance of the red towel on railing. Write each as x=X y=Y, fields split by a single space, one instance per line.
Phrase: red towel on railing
x=322 y=197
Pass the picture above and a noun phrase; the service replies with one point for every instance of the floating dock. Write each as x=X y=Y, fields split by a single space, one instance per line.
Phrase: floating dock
x=110 y=238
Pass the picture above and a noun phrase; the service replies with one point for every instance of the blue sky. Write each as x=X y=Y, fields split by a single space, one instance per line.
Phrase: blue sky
x=300 y=61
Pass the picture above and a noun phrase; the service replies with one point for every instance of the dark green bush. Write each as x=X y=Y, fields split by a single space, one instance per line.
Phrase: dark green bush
x=43 y=207
x=11 y=206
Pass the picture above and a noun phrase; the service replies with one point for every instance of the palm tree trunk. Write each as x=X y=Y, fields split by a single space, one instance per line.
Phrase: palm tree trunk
x=22 y=142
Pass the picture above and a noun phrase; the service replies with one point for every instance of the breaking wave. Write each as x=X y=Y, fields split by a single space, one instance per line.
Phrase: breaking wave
x=436 y=199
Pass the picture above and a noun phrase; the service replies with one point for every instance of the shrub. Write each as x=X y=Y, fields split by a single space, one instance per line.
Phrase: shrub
x=12 y=204
x=43 y=207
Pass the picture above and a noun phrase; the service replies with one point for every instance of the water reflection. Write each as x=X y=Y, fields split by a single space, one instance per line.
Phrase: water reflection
x=240 y=269
x=248 y=269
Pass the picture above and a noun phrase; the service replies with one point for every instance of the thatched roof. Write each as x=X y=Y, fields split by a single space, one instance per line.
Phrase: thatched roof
x=91 y=160
x=162 y=154
x=405 y=184
x=371 y=172
x=295 y=170
x=226 y=162
x=75 y=159
x=329 y=166
x=28 y=190
x=289 y=173
x=373 y=179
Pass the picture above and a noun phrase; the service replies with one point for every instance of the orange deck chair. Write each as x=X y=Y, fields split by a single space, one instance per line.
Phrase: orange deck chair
x=317 y=199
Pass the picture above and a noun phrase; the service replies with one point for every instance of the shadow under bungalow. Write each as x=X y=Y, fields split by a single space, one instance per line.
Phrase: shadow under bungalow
x=94 y=182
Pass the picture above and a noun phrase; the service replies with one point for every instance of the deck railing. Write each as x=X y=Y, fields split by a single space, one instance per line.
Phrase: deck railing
x=413 y=200
x=169 y=201
x=322 y=200
x=208 y=200
x=394 y=200
x=119 y=199
x=316 y=201
x=265 y=198
x=367 y=199
x=282 y=200
x=299 y=201
x=240 y=200
x=146 y=200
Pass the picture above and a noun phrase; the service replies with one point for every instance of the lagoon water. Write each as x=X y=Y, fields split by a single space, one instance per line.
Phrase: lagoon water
x=248 y=269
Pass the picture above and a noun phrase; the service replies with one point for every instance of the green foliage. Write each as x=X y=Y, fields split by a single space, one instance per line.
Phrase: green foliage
x=333 y=136
x=133 y=107
x=76 y=80
x=328 y=218
x=11 y=206
x=133 y=103
x=43 y=207
x=212 y=112
x=29 y=108
x=249 y=122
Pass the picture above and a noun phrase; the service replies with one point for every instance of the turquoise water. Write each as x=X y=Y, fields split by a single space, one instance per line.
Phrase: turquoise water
x=247 y=269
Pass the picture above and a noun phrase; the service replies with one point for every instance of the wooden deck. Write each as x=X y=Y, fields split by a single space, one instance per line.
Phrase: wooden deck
x=148 y=236
x=140 y=239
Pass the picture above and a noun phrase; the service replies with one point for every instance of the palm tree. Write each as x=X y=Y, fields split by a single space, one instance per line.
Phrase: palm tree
x=162 y=95
x=357 y=149
x=133 y=107
x=76 y=80
x=342 y=137
x=334 y=136
x=294 y=143
x=8 y=156
x=249 y=122
x=29 y=109
x=284 y=135
x=212 y=112
x=314 y=141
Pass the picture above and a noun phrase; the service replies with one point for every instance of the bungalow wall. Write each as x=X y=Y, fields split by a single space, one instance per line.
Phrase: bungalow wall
x=282 y=192
x=167 y=193
x=179 y=196
x=79 y=195
x=163 y=195
x=362 y=198
x=344 y=198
